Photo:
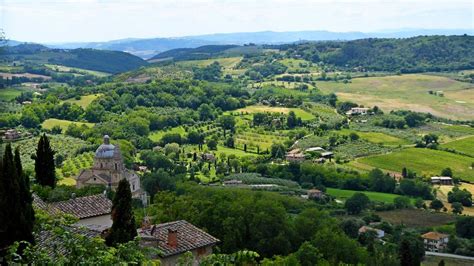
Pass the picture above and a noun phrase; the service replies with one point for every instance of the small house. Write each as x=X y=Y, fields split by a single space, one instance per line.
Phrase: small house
x=208 y=157
x=327 y=155
x=358 y=111
x=92 y=210
x=174 y=239
x=441 y=180
x=379 y=233
x=315 y=194
x=295 y=155
x=12 y=134
x=435 y=242
x=315 y=149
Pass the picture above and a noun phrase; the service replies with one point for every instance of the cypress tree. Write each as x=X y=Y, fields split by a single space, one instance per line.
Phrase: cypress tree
x=16 y=215
x=44 y=163
x=123 y=227
x=26 y=200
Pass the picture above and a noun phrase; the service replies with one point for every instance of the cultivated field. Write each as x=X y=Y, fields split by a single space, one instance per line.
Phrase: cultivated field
x=228 y=64
x=157 y=135
x=423 y=161
x=465 y=146
x=85 y=100
x=268 y=109
x=376 y=137
x=63 y=124
x=409 y=92
x=373 y=196
x=416 y=218
x=9 y=94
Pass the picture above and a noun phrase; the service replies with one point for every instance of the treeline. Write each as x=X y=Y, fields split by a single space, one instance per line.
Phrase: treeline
x=417 y=54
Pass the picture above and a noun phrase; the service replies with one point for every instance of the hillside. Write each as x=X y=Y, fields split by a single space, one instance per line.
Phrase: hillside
x=417 y=54
x=91 y=59
x=203 y=52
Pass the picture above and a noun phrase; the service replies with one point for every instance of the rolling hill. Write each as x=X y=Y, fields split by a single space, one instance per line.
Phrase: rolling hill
x=91 y=59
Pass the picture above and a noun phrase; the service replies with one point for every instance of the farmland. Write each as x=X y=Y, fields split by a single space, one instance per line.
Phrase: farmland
x=374 y=196
x=85 y=100
x=157 y=135
x=423 y=162
x=409 y=92
x=304 y=115
x=9 y=94
x=63 y=124
x=464 y=146
x=228 y=64
x=376 y=137
x=416 y=218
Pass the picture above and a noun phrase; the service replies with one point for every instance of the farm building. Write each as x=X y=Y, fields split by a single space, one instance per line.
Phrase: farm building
x=435 y=242
x=174 y=239
x=327 y=155
x=208 y=157
x=441 y=180
x=108 y=169
x=295 y=155
x=358 y=111
x=315 y=149
x=12 y=134
x=315 y=194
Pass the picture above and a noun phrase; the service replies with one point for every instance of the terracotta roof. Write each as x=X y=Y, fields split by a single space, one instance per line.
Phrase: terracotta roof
x=40 y=204
x=434 y=236
x=53 y=242
x=189 y=237
x=85 y=207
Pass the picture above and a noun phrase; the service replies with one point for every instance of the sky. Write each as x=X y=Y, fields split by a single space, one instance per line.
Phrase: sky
x=50 y=21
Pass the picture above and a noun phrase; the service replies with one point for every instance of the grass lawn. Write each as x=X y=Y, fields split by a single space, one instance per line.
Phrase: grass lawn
x=9 y=94
x=465 y=146
x=262 y=109
x=50 y=123
x=376 y=137
x=416 y=218
x=85 y=100
x=423 y=162
x=157 y=135
x=409 y=92
x=68 y=181
x=373 y=196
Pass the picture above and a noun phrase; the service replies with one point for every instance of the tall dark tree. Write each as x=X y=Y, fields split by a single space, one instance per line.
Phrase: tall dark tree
x=16 y=213
x=123 y=228
x=411 y=250
x=44 y=163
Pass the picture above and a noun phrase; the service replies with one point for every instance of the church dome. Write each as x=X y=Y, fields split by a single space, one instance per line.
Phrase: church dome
x=106 y=150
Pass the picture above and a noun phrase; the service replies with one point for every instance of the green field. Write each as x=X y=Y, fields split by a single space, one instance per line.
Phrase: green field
x=409 y=92
x=376 y=137
x=264 y=109
x=465 y=146
x=264 y=140
x=50 y=123
x=423 y=161
x=373 y=196
x=65 y=69
x=157 y=135
x=9 y=94
x=85 y=100
x=298 y=65
x=228 y=64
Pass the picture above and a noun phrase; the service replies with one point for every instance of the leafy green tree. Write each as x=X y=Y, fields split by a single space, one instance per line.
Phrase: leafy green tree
x=436 y=204
x=308 y=255
x=195 y=138
x=227 y=122
x=447 y=172
x=357 y=203
x=212 y=144
x=351 y=227
x=411 y=250
x=465 y=227
x=291 y=120
x=278 y=150
x=402 y=202
x=457 y=207
x=44 y=163
x=123 y=228
x=462 y=196
x=381 y=182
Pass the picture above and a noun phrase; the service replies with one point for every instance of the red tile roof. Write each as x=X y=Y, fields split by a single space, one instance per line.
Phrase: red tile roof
x=434 y=236
x=85 y=207
x=189 y=237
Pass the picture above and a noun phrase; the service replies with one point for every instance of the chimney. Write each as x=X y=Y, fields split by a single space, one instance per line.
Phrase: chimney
x=172 y=238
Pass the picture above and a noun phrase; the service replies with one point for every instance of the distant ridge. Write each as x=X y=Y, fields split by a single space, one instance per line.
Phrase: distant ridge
x=147 y=48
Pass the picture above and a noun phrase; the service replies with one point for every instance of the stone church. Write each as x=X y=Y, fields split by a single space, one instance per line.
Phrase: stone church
x=108 y=169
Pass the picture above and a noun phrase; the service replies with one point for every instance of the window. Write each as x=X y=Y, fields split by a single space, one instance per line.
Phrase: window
x=116 y=167
x=101 y=165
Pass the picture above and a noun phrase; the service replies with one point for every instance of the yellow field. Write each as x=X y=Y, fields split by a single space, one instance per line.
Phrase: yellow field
x=409 y=92
x=85 y=100
x=442 y=194
x=50 y=123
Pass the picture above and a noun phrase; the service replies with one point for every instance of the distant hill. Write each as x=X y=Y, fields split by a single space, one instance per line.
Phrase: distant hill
x=92 y=59
x=146 y=48
x=203 y=52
